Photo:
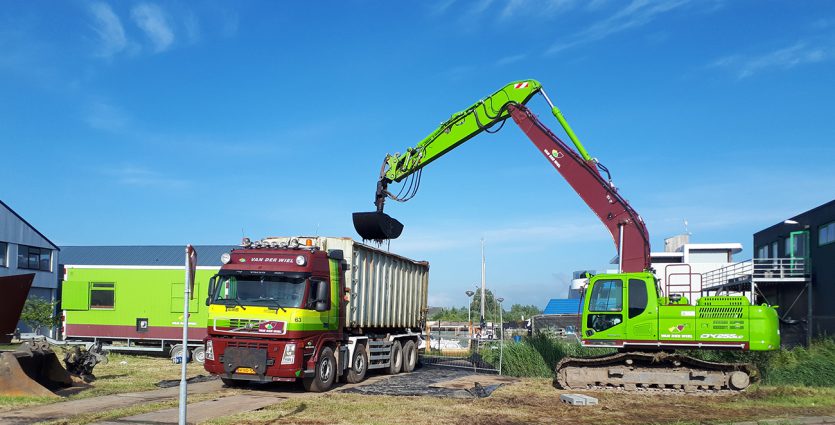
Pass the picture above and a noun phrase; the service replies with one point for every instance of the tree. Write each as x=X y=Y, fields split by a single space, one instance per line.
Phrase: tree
x=37 y=314
x=519 y=311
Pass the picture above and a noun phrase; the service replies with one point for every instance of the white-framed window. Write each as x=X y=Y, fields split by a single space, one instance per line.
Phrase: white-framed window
x=4 y=256
x=826 y=234
x=34 y=258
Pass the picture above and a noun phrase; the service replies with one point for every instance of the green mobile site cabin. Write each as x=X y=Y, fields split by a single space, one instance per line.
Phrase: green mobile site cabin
x=130 y=298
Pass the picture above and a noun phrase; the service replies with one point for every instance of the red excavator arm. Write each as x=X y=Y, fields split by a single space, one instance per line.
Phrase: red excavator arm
x=626 y=226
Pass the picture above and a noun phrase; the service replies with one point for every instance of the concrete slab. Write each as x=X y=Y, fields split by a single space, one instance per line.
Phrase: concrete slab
x=202 y=411
x=66 y=409
x=578 y=399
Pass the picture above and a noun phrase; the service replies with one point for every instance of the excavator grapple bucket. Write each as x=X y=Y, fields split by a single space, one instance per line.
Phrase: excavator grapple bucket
x=377 y=226
x=32 y=370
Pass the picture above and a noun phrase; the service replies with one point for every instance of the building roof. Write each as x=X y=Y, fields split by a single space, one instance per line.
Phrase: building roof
x=562 y=306
x=27 y=223
x=147 y=255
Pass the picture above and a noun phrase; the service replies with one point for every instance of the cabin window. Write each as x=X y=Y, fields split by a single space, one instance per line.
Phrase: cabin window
x=826 y=234
x=34 y=258
x=637 y=297
x=102 y=295
x=607 y=295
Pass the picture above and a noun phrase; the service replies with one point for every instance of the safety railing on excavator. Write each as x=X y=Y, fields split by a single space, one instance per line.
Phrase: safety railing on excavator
x=771 y=269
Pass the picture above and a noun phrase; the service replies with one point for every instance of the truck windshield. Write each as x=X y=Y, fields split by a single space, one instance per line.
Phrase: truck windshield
x=271 y=291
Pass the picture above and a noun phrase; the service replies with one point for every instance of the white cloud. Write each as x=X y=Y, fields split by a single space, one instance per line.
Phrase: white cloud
x=102 y=115
x=142 y=177
x=638 y=13
x=548 y=8
x=153 y=21
x=507 y=60
x=801 y=53
x=109 y=29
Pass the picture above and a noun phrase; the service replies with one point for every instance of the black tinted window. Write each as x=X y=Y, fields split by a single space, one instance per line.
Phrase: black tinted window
x=637 y=297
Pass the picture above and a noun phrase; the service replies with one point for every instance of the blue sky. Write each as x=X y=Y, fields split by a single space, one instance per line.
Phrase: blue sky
x=195 y=122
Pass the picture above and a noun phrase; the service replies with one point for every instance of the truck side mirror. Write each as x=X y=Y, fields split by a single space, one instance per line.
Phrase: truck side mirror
x=322 y=290
x=212 y=288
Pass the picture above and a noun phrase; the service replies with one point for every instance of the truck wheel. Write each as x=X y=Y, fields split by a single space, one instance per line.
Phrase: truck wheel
x=325 y=372
x=199 y=355
x=410 y=356
x=356 y=373
x=396 y=359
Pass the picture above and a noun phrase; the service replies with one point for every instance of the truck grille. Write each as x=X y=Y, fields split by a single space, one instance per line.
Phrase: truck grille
x=247 y=344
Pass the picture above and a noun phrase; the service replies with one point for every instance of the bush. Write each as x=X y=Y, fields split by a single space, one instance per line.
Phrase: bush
x=538 y=355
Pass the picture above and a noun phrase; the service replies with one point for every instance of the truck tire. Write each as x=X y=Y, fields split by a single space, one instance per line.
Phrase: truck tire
x=325 y=372
x=396 y=358
x=198 y=354
x=410 y=356
x=359 y=365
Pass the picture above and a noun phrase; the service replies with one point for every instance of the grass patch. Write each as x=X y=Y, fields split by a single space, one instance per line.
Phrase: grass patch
x=535 y=401
x=123 y=373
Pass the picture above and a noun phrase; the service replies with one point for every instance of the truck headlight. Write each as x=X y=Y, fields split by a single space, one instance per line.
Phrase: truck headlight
x=289 y=356
x=210 y=350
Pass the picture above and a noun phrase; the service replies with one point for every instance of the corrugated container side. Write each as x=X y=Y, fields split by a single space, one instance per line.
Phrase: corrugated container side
x=386 y=290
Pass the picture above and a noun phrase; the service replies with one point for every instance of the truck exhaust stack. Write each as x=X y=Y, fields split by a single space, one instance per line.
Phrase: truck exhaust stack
x=377 y=226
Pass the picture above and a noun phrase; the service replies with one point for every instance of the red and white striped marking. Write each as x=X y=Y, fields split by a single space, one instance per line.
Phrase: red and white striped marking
x=520 y=85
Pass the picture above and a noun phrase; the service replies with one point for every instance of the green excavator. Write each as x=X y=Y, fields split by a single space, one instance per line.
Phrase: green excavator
x=628 y=311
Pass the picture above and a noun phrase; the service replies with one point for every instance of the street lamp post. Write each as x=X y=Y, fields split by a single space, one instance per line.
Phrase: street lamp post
x=501 y=329
x=469 y=313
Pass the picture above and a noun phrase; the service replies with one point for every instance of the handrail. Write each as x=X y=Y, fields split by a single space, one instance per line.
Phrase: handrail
x=770 y=269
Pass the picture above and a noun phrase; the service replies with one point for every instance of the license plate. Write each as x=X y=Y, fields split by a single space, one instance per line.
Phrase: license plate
x=245 y=370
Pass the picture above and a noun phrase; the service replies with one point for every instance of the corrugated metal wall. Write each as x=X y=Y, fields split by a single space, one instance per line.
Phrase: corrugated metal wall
x=386 y=290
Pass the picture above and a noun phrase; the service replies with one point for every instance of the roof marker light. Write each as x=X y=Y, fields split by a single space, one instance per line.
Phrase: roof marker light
x=308 y=242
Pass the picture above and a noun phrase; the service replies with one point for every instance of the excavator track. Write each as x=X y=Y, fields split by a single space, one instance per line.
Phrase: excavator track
x=639 y=371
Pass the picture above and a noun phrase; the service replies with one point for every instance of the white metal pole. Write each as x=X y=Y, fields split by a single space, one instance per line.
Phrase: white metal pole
x=620 y=248
x=184 y=362
x=483 y=284
x=501 y=342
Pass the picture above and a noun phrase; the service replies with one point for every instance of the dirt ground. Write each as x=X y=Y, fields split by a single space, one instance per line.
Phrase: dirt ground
x=522 y=402
x=536 y=401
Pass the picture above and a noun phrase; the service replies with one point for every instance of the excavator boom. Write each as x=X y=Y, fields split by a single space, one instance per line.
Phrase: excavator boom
x=575 y=165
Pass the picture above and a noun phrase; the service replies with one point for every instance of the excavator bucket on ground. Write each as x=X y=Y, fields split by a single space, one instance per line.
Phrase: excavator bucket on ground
x=377 y=226
x=32 y=370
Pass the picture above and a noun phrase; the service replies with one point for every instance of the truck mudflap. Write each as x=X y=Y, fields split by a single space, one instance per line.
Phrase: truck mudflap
x=653 y=371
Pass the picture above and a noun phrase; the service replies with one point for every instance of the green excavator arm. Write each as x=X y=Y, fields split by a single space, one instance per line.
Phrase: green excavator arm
x=460 y=127
x=464 y=125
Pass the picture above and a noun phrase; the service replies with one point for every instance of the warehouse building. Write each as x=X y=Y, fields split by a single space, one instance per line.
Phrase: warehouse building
x=805 y=242
x=25 y=250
